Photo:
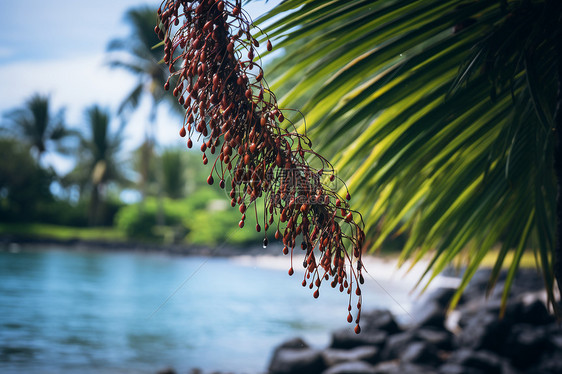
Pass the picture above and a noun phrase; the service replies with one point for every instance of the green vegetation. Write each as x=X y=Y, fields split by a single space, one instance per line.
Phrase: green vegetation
x=194 y=213
x=49 y=231
x=35 y=125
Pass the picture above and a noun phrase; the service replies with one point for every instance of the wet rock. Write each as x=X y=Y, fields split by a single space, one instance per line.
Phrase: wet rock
x=338 y=356
x=294 y=343
x=549 y=364
x=525 y=344
x=484 y=361
x=346 y=338
x=395 y=367
x=534 y=313
x=296 y=361
x=440 y=338
x=484 y=331
x=166 y=371
x=396 y=344
x=420 y=353
x=379 y=320
x=432 y=314
x=458 y=369
x=354 y=367
x=387 y=367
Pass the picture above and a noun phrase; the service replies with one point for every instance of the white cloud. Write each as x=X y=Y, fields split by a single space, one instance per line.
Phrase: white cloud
x=76 y=84
x=6 y=52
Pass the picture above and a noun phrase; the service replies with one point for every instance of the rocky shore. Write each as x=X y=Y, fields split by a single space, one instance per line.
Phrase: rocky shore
x=473 y=339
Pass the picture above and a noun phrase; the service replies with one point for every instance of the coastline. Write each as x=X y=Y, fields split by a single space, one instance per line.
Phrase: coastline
x=8 y=242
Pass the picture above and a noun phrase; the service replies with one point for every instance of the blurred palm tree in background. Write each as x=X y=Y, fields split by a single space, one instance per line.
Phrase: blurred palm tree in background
x=173 y=171
x=137 y=55
x=36 y=125
x=442 y=116
x=98 y=163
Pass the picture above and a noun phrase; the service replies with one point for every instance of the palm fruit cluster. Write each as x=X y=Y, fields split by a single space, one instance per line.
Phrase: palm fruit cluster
x=215 y=74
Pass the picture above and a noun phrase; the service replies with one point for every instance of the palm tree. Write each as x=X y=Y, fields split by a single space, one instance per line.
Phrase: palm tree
x=444 y=118
x=36 y=125
x=98 y=163
x=137 y=55
x=173 y=171
x=141 y=58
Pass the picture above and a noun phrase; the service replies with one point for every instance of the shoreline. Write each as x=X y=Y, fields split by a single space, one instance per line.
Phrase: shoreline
x=224 y=250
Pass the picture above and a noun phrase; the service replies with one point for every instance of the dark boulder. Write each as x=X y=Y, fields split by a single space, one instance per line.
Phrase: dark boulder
x=338 y=356
x=396 y=367
x=432 y=338
x=296 y=361
x=353 y=367
x=420 y=353
x=550 y=363
x=396 y=344
x=166 y=371
x=294 y=343
x=484 y=331
x=484 y=361
x=432 y=314
x=379 y=320
x=525 y=344
x=450 y=368
x=533 y=313
x=346 y=338
x=295 y=357
x=440 y=338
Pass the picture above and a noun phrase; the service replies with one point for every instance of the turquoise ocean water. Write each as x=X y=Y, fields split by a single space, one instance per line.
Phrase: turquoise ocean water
x=67 y=311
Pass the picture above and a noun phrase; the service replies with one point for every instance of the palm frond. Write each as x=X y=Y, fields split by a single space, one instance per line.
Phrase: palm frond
x=438 y=116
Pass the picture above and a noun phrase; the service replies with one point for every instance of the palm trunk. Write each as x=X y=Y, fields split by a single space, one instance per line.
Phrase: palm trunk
x=160 y=216
x=94 y=206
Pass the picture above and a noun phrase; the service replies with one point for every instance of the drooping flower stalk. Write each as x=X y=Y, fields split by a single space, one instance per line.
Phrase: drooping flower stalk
x=210 y=51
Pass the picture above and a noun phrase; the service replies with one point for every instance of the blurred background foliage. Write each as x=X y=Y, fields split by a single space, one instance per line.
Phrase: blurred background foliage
x=153 y=194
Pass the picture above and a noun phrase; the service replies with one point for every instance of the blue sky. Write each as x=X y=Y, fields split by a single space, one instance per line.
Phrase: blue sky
x=58 y=47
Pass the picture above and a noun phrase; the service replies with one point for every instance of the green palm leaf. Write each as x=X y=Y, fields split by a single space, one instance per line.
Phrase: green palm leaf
x=438 y=115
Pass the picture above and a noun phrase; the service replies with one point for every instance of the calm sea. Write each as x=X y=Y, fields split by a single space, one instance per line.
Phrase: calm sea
x=67 y=311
